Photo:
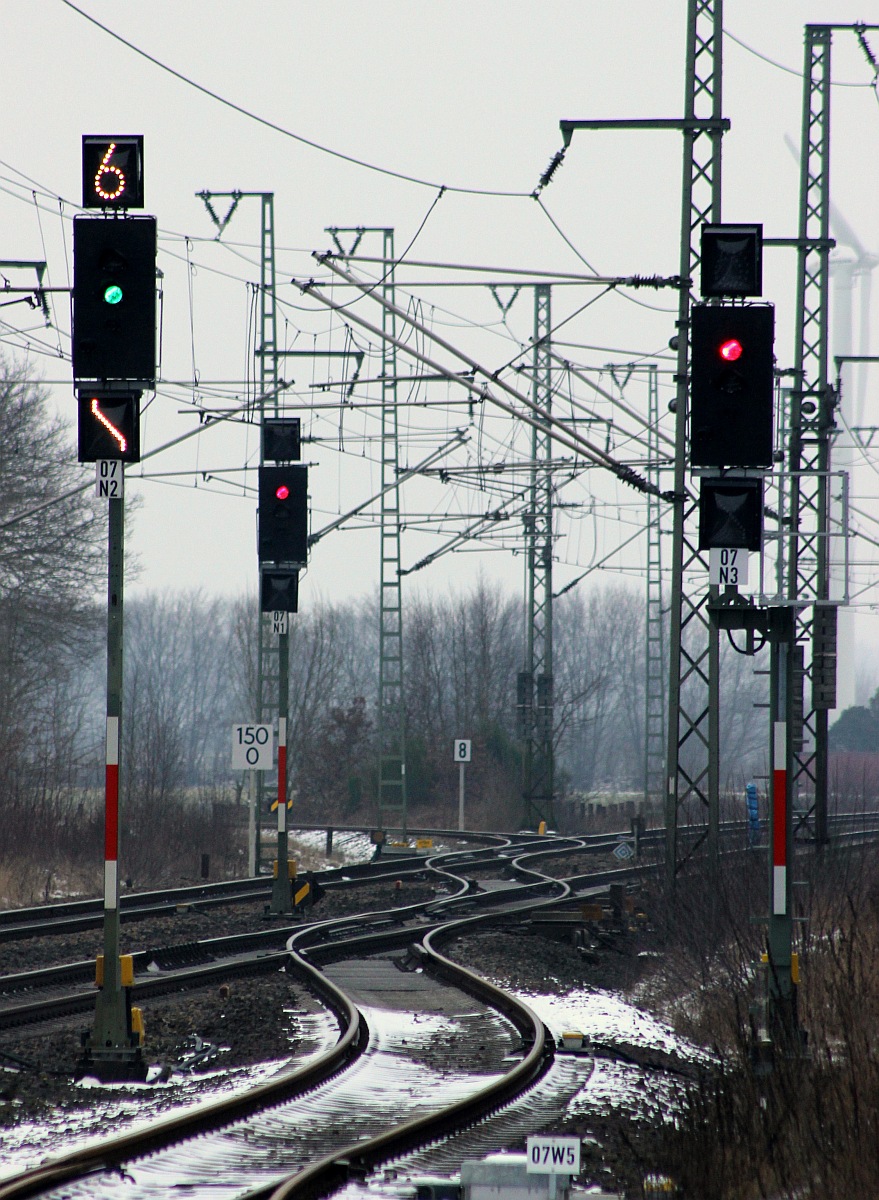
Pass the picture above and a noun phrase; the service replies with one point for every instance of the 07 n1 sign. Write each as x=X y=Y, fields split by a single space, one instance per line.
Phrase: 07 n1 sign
x=253 y=748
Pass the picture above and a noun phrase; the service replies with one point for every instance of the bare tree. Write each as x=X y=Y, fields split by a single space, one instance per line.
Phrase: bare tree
x=52 y=556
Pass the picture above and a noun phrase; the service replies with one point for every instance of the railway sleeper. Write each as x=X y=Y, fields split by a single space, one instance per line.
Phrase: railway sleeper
x=167 y=958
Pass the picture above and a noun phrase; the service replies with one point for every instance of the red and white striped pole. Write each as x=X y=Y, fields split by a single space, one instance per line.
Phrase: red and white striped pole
x=781 y=997
x=282 y=892
x=112 y=1052
x=779 y=818
x=282 y=775
x=111 y=816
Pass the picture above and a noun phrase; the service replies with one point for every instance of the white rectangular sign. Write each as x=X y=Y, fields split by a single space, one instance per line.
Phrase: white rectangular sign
x=280 y=623
x=253 y=747
x=461 y=751
x=109 y=479
x=728 y=567
x=549 y=1155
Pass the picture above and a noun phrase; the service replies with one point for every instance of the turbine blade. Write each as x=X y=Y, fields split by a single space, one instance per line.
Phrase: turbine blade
x=839 y=226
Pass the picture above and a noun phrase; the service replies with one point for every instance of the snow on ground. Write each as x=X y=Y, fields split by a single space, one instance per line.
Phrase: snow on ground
x=130 y=1106
x=607 y=1020
x=347 y=848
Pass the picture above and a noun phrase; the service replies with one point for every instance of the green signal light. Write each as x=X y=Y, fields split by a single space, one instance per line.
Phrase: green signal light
x=112 y=294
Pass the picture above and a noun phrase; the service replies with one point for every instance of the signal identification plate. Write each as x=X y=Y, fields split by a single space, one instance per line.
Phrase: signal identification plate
x=109 y=479
x=728 y=567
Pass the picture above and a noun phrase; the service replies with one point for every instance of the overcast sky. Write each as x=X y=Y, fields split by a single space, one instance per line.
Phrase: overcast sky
x=461 y=95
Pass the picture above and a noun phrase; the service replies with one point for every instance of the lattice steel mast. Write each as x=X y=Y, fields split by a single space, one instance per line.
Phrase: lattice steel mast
x=654 y=653
x=693 y=694
x=268 y=675
x=268 y=667
x=392 y=799
x=811 y=422
x=391 y=712
x=536 y=712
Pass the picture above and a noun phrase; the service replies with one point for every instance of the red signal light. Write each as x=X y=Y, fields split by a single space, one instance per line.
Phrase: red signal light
x=731 y=350
x=282 y=492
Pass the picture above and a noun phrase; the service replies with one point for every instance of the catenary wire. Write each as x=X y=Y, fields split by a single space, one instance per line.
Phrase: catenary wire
x=252 y=116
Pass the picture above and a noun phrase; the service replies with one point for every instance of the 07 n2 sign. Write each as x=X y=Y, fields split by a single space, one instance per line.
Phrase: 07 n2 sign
x=253 y=748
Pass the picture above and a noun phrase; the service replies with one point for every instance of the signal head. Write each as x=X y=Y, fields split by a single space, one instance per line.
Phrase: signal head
x=112 y=171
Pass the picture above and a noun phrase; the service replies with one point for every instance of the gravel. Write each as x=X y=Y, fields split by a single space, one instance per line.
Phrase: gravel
x=254 y=1020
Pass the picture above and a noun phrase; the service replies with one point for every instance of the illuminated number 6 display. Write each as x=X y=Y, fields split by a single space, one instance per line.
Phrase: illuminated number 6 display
x=112 y=171
x=109 y=176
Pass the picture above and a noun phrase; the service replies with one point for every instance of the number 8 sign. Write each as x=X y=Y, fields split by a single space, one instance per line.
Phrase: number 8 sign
x=461 y=751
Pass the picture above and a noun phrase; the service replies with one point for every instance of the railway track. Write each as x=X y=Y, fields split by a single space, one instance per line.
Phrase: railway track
x=363 y=968
x=46 y=921
x=393 y=966
x=58 y=918
x=67 y=989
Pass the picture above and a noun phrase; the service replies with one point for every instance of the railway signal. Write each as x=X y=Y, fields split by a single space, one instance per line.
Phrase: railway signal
x=109 y=426
x=731 y=380
x=283 y=515
x=281 y=439
x=114 y=300
x=732 y=260
x=112 y=171
x=113 y=336
x=731 y=514
x=282 y=549
x=279 y=590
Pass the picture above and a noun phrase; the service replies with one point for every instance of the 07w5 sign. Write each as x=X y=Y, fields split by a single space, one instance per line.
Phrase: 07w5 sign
x=549 y=1155
x=253 y=747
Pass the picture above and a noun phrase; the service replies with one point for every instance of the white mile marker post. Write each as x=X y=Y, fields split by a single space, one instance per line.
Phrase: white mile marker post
x=461 y=755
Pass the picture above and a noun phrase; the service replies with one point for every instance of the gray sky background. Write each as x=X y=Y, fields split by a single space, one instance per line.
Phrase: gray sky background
x=464 y=95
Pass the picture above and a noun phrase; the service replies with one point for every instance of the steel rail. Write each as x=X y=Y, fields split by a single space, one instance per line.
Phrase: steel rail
x=358 y=1158
x=352 y=1041
x=110 y=1154
x=79 y=915
x=231 y=891
x=228 y=891
x=220 y=955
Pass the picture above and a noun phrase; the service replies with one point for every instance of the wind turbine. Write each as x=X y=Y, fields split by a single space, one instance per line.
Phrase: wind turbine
x=847 y=272
x=851 y=268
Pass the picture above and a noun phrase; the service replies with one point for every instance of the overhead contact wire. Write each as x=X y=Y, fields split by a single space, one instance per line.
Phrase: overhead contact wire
x=557 y=429
x=296 y=137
